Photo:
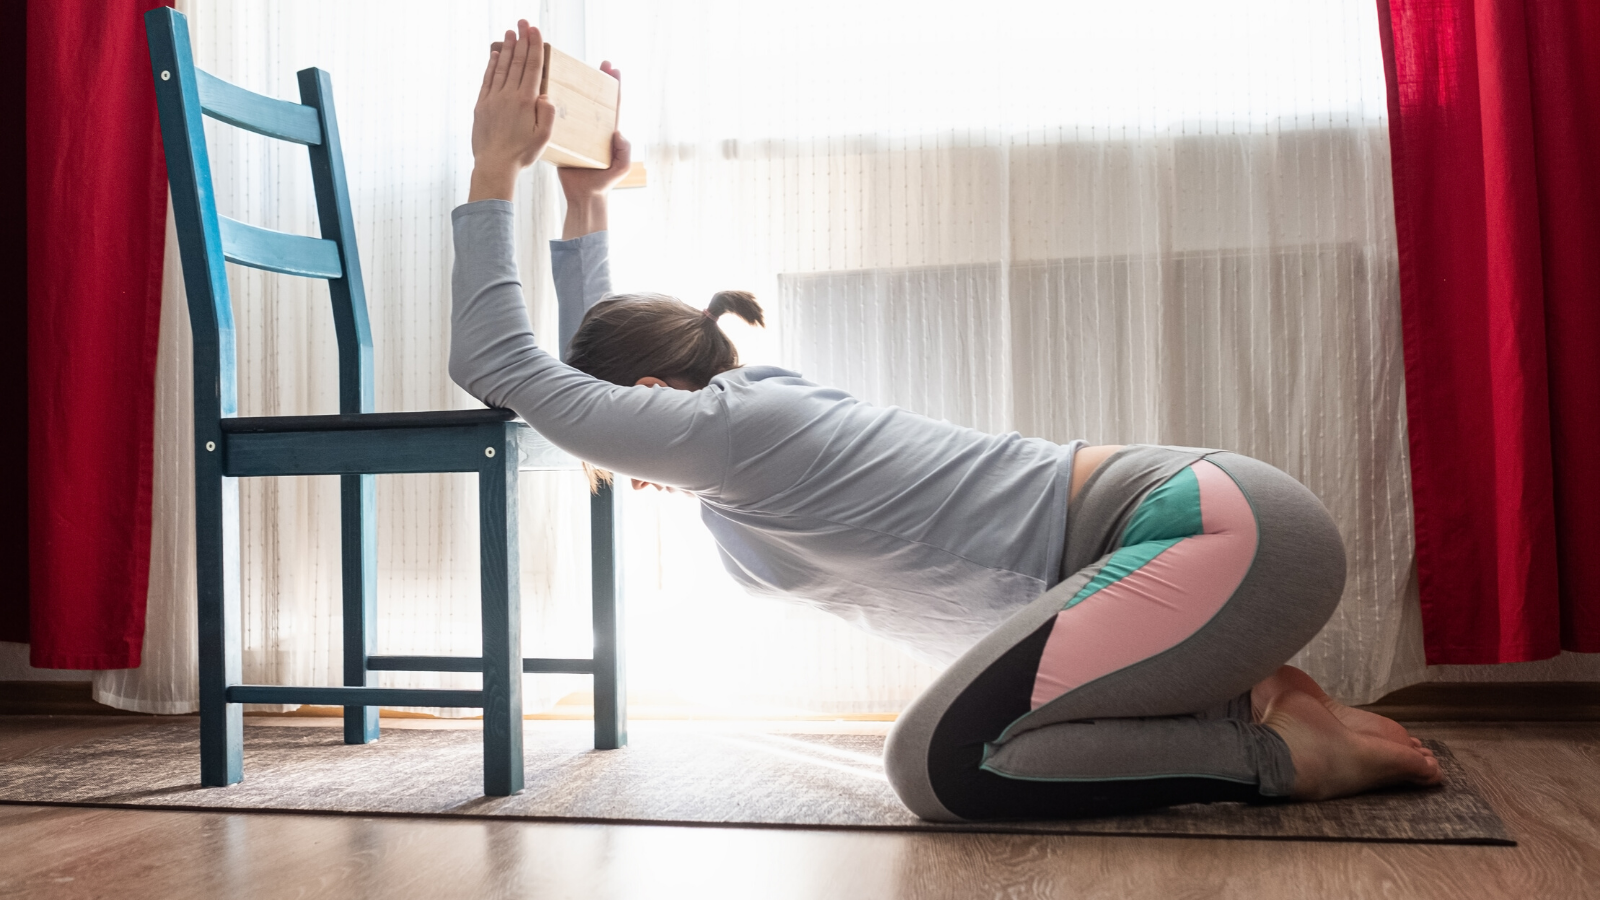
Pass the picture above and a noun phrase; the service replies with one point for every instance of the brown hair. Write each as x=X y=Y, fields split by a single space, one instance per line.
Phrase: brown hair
x=627 y=337
x=632 y=336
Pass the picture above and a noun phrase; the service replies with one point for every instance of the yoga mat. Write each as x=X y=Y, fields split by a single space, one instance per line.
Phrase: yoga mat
x=665 y=776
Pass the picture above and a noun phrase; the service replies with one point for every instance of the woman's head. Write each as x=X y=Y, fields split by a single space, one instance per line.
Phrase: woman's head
x=632 y=336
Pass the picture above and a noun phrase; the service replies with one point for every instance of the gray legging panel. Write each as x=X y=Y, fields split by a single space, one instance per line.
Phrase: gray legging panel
x=1171 y=727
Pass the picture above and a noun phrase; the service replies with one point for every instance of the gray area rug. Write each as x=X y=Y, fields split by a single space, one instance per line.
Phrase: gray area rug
x=680 y=777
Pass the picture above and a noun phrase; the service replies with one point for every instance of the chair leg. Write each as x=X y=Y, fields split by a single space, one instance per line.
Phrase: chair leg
x=217 y=571
x=502 y=617
x=610 y=690
x=359 y=547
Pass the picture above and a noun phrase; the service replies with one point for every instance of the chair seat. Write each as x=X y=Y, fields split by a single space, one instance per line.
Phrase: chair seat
x=430 y=419
x=453 y=440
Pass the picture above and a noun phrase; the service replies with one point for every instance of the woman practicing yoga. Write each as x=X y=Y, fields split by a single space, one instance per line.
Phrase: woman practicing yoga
x=1115 y=620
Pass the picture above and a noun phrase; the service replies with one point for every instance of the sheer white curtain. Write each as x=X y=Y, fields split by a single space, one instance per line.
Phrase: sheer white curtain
x=1146 y=221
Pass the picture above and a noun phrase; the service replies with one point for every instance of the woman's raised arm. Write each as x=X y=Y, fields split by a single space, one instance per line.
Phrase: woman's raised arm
x=672 y=437
x=580 y=262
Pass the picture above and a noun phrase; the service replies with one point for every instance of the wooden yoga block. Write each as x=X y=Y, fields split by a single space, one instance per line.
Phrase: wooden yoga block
x=586 y=111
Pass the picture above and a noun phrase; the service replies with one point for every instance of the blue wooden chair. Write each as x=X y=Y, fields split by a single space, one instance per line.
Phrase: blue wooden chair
x=355 y=445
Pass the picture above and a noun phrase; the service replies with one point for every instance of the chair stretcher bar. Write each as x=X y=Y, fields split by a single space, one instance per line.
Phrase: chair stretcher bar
x=352 y=696
x=530 y=666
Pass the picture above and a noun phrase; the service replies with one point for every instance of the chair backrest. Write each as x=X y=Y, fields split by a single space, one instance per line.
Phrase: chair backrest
x=206 y=239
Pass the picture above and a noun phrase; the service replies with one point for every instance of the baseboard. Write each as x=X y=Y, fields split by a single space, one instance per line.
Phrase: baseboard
x=53 y=698
x=1533 y=701
x=1528 y=701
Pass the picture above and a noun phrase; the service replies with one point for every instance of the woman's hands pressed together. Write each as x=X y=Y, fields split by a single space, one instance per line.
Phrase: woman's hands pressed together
x=511 y=126
x=512 y=121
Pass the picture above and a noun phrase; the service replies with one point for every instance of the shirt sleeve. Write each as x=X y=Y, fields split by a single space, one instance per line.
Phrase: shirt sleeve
x=672 y=437
x=582 y=271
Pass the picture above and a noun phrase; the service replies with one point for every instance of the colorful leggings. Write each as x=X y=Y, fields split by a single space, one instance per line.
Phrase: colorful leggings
x=1190 y=576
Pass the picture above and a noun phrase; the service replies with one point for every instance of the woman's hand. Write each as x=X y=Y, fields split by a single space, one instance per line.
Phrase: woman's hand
x=586 y=189
x=579 y=183
x=512 y=121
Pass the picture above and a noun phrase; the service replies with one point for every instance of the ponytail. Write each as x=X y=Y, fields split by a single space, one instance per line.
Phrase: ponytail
x=741 y=303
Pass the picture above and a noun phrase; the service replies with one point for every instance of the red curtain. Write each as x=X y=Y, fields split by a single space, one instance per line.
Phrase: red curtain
x=1495 y=129
x=96 y=227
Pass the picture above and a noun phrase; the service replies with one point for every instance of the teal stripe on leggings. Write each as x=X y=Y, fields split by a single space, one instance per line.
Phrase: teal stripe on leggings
x=1168 y=514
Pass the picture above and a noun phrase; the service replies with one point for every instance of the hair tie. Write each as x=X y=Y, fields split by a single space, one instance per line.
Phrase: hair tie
x=707 y=314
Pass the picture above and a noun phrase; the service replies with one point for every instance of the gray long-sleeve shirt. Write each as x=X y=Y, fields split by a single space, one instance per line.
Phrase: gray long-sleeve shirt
x=923 y=532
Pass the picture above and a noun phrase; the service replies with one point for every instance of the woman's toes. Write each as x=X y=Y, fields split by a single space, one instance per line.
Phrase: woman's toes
x=1434 y=773
x=1428 y=770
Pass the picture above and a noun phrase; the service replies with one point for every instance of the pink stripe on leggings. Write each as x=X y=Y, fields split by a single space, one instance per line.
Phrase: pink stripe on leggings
x=1162 y=603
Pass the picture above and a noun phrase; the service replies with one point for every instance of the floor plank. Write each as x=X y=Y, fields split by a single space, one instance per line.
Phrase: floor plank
x=1543 y=778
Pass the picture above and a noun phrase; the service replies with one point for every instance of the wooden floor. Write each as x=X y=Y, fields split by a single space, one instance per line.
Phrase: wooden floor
x=1543 y=778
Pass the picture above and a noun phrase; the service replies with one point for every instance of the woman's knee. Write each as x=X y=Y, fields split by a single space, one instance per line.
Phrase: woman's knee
x=905 y=759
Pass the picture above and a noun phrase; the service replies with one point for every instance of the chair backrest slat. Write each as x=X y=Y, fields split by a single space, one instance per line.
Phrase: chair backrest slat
x=248 y=110
x=277 y=251
x=349 y=294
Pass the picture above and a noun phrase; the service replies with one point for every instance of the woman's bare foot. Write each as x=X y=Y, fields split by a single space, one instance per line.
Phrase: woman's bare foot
x=1289 y=678
x=1331 y=760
